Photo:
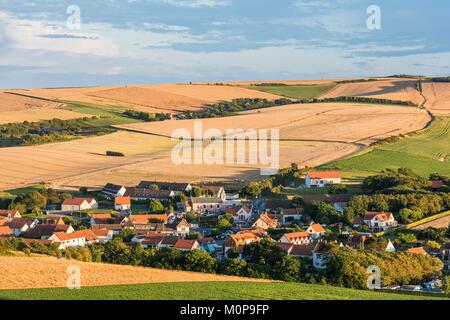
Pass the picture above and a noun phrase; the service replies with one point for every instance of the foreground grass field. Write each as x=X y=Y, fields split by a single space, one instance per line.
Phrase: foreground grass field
x=207 y=291
x=425 y=153
x=295 y=91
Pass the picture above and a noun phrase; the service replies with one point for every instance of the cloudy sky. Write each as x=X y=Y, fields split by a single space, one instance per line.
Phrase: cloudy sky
x=167 y=41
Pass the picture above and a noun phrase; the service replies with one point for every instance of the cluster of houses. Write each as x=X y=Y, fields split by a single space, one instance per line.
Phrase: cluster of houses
x=252 y=221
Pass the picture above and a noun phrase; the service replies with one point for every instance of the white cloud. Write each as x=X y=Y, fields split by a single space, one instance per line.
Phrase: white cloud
x=51 y=36
x=196 y=3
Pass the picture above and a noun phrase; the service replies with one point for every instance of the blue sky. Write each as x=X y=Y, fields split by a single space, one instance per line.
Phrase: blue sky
x=169 y=41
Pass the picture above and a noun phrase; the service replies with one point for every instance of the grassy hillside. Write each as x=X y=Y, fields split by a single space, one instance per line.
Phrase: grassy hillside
x=426 y=152
x=206 y=291
x=108 y=115
x=295 y=91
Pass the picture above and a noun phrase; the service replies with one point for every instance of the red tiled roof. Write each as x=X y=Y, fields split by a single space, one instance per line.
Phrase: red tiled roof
x=145 y=218
x=5 y=213
x=122 y=201
x=317 y=228
x=267 y=220
x=5 y=231
x=382 y=216
x=325 y=175
x=297 y=235
x=185 y=244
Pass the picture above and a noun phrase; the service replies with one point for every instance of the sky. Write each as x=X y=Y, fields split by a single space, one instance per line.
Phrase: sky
x=118 y=42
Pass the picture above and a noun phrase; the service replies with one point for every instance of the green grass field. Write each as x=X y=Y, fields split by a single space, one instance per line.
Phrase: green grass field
x=426 y=152
x=295 y=91
x=207 y=291
x=108 y=115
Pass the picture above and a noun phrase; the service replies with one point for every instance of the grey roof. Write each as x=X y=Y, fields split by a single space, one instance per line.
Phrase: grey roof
x=207 y=200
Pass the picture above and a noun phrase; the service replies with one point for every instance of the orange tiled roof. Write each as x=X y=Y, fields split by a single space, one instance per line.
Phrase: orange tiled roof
x=317 y=228
x=418 y=250
x=122 y=201
x=325 y=175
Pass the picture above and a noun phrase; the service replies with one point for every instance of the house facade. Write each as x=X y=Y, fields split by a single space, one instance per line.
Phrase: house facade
x=317 y=179
x=122 y=203
x=265 y=222
x=8 y=215
x=79 y=204
x=379 y=221
x=208 y=205
x=114 y=190
x=298 y=238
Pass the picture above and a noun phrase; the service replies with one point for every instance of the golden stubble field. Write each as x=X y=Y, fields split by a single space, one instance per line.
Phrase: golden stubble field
x=310 y=135
x=438 y=97
x=15 y=108
x=151 y=98
x=392 y=89
x=47 y=272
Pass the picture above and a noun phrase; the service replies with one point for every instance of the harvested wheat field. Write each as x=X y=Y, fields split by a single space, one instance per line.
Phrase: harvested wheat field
x=311 y=135
x=330 y=122
x=213 y=94
x=438 y=97
x=394 y=89
x=34 y=164
x=34 y=115
x=151 y=98
x=48 y=272
x=12 y=102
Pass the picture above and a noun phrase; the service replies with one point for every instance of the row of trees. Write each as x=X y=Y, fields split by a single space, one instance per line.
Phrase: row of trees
x=36 y=201
x=345 y=267
x=224 y=109
x=146 y=116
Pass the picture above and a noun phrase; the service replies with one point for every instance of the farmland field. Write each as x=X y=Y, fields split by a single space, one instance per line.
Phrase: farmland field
x=295 y=91
x=327 y=122
x=21 y=272
x=149 y=98
x=393 y=89
x=425 y=153
x=311 y=135
x=208 y=291
x=438 y=97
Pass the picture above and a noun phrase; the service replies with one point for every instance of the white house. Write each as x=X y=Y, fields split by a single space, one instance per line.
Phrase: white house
x=9 y=214
x=67 y=240
x=240 y=215
x=299 y=238
x=122 y=203
x=79 y=204
x=316 y=231
x=114 y=190
x=320 y=179
x=20 y=225
x=265 y=222
x=208 y=205
x=103 y=235
x=379 y=221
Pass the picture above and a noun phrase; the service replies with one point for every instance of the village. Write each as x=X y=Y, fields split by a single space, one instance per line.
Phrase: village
x=224 y=222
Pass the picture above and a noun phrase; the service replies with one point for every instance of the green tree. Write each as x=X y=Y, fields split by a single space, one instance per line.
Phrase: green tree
x=234 y=267
x=200 y=261
x=156 y=206
x=288 y=269
x=223 y=224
